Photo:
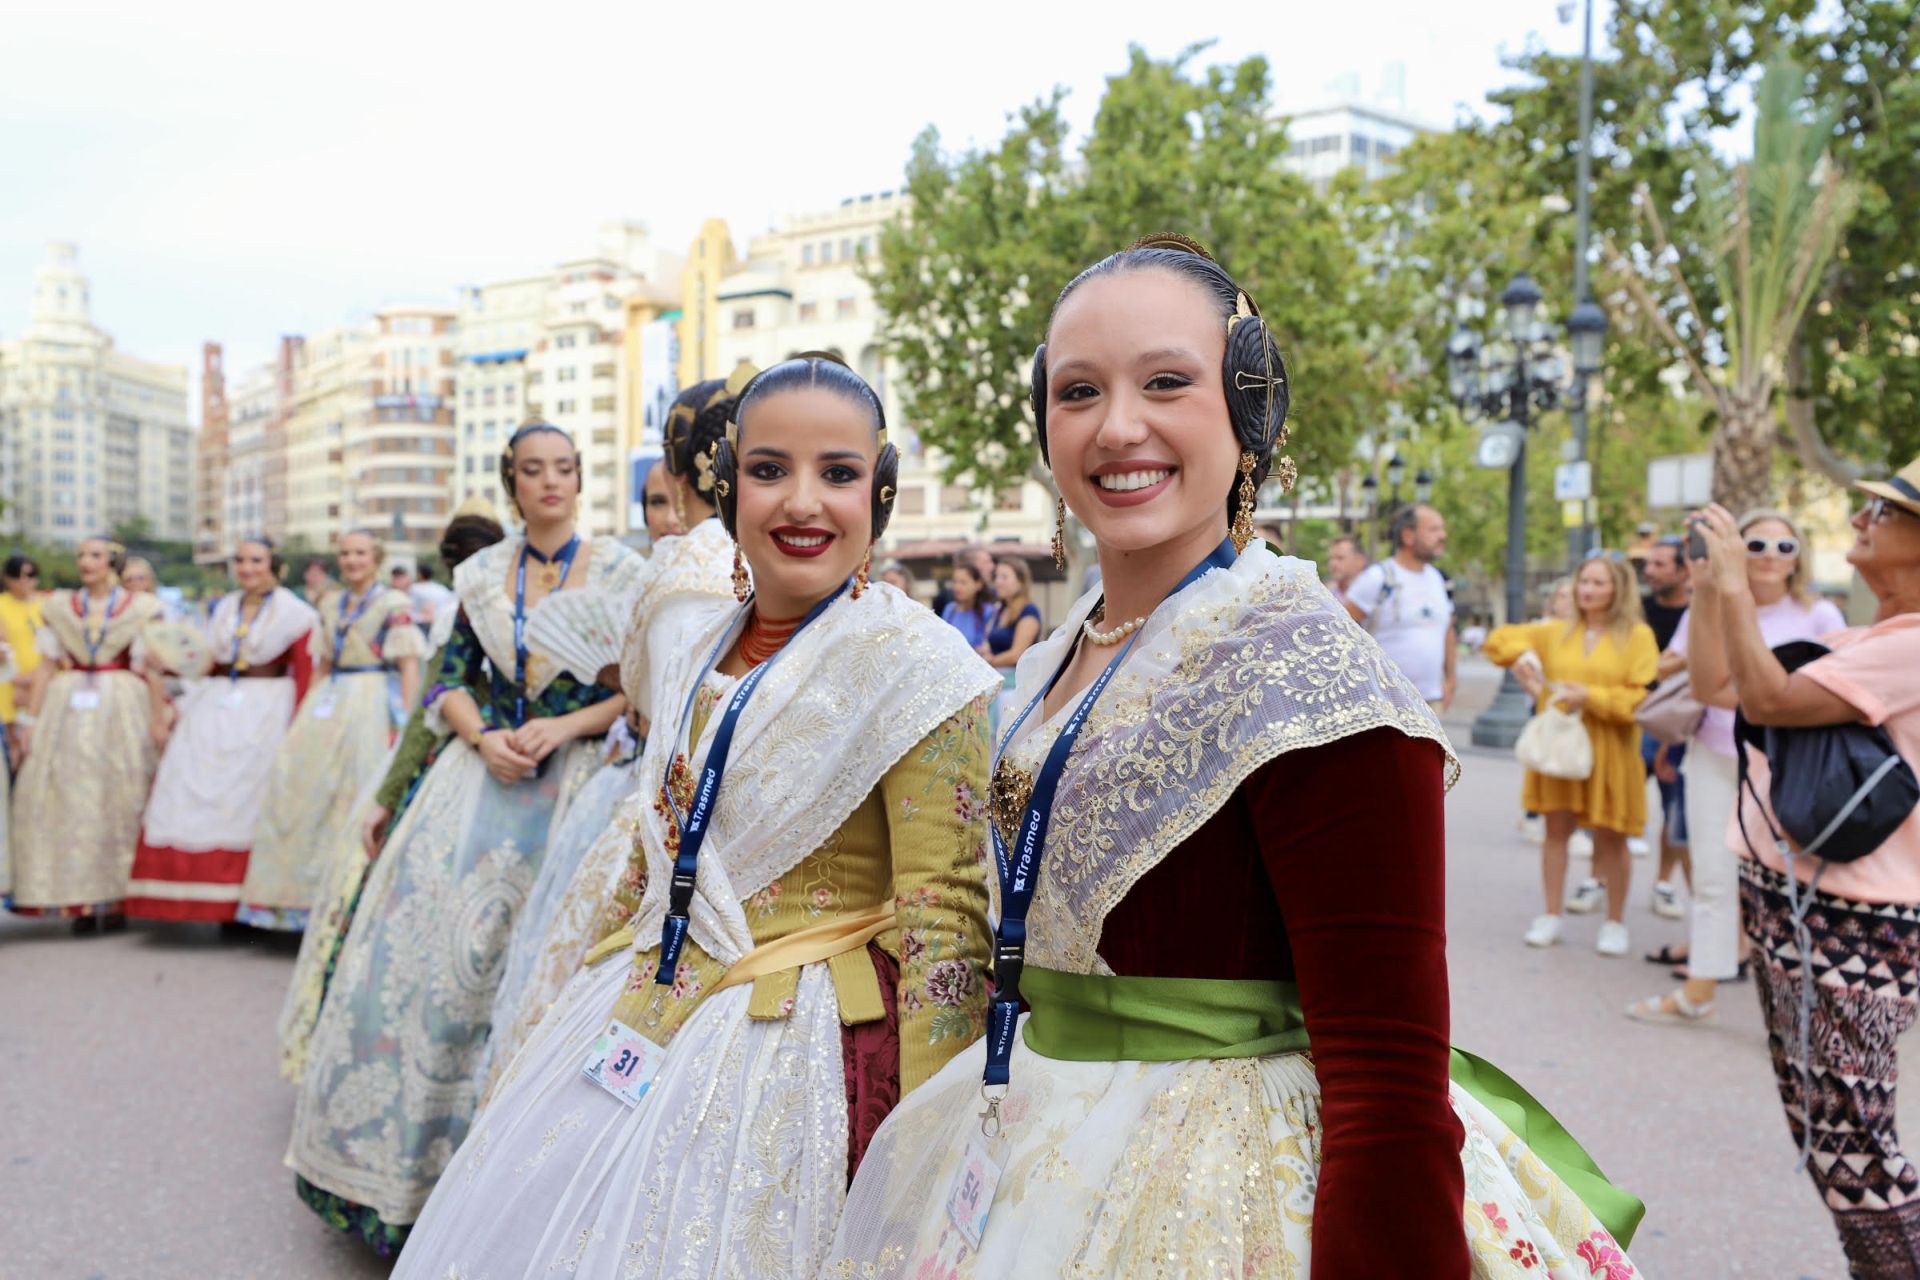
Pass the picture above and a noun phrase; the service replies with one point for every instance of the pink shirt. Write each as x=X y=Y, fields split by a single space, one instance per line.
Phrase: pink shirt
x=1786 y=619
x=1874 y=670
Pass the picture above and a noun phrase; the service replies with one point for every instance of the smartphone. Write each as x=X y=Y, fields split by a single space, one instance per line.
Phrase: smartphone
x=1696 y=543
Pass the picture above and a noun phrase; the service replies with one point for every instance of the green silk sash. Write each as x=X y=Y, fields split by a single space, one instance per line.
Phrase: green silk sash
x=1089 y=1018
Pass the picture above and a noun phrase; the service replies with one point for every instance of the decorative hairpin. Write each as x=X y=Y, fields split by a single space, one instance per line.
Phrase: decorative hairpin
x=1171 y=240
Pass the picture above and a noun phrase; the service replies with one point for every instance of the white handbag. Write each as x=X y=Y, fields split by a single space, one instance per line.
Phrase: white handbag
x=1555 y=745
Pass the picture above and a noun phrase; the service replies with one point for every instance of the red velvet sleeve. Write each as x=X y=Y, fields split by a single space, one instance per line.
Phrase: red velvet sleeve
x=299 y=660
x=1353 y=838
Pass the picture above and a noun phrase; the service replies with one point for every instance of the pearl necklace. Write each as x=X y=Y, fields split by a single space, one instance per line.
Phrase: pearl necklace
x=1114 y=636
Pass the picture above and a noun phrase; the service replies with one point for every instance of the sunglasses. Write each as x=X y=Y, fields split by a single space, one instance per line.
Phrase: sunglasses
x=1879 y=509
x=1785 y=546
x=1613 y=557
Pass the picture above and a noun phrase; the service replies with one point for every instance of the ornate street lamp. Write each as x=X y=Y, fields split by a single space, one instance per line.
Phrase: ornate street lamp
x=1370 y=505
x=1396 y=472
x=1423 y=487
x=1506 y=387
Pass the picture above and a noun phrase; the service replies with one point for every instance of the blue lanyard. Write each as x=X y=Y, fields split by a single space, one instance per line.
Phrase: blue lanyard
x=563 y=558
x=1019 y=868
x=95 y=640
x=346 y=624
x=693 y=826
x=242 y=628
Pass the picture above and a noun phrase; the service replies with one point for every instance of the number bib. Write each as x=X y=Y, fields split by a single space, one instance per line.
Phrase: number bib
x=323 y=705
x=85 y=700
x=971 y=1197
x=623 y=1062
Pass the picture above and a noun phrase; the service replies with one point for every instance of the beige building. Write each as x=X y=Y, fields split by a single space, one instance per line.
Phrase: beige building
x=90 y=437
x=550 y=346
x=800 y=288
x=370 y=432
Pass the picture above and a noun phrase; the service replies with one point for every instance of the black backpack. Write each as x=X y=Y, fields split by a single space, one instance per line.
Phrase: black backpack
x=1839 y=790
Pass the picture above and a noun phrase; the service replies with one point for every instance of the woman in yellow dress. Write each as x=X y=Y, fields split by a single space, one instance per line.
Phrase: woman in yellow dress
x=365 y=644
x=1599 y=664
x=19 y=627
x=87 y=729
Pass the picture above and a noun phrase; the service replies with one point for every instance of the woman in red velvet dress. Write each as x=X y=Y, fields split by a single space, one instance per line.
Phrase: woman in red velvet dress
x=1242 y=856
x=197 y=833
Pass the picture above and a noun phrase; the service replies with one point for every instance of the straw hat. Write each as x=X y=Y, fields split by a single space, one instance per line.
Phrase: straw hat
x=1902 y=488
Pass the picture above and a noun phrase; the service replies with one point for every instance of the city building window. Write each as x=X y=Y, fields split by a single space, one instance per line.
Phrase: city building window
x=486 y=397
x=846 y=248
x=563 y=406
x=806 y=255
x=954 y=498
x=844 y=308
x=826 y=251
x=1007 y=499
x=565 y=340
x=913 y=501
x=809 y=311
x=743 y=319
x=564 y=374
x=1358 y=146
x=508 y=392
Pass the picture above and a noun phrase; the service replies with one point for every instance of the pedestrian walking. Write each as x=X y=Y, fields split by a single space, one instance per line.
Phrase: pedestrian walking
x=366 y=653
x=198 y=830
x=1345 y=562
x=1664 y=571
x=1404 y=602
x=970 y=608
x=1599 y=665
x=21 y=618
x=1775 y=578
x=89 y=726
x=1836 y=944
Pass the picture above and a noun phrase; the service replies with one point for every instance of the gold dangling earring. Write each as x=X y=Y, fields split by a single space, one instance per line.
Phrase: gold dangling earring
x=860 y=574
x=742 y=584
x=1242 y=532
x=1059 y=532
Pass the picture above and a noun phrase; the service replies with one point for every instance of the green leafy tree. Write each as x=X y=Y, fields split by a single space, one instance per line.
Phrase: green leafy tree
x=1771 y=228
x=965 y=284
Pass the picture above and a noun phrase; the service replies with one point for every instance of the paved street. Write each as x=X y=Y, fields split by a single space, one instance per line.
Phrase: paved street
x=144 y=1121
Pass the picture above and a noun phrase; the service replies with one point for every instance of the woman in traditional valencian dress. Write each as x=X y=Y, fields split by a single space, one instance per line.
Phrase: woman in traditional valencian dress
x=89 y=728
x=1198 y=875
x=591 y=880
x=389 y=1083
x=472 y=528
x=816 y=859
x=366 y=643
x=204 y=812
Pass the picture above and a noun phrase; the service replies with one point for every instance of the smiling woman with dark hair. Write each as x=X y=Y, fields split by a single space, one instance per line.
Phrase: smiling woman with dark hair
x=1195 y=889
x=811 y=939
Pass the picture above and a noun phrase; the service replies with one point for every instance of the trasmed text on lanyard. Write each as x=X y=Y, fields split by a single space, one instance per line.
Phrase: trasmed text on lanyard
x=693 y=825
x=346 y=624
x=242 y=628
x=563 y=561
x=1020 y=867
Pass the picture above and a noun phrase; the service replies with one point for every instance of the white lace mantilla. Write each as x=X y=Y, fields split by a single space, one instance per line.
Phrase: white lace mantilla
x=485 y=581
x=848 y=697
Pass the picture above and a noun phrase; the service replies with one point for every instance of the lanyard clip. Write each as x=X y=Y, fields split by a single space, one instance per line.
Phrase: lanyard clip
x=1009 y=959
x=990 y=1118
x=680 y=893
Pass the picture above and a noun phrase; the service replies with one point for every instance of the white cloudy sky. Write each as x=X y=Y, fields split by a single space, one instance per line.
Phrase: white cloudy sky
x=239 y=170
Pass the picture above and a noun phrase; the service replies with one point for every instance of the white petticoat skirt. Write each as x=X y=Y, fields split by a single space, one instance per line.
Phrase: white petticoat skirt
x=1134 y=1170
x=733 y=1165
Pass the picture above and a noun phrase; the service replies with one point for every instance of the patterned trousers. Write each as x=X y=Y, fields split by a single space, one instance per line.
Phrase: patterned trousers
x=1865 y=959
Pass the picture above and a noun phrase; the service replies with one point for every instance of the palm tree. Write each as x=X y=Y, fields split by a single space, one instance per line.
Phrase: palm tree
x=1770 y=227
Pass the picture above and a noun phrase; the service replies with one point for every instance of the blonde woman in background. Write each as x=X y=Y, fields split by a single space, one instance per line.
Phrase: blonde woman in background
x=1785 y=610
x=88 y=728
x=365 y=644
x=1599 y=665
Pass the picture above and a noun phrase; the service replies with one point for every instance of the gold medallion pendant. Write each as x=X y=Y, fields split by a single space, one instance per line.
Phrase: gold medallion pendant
x=549 y=576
